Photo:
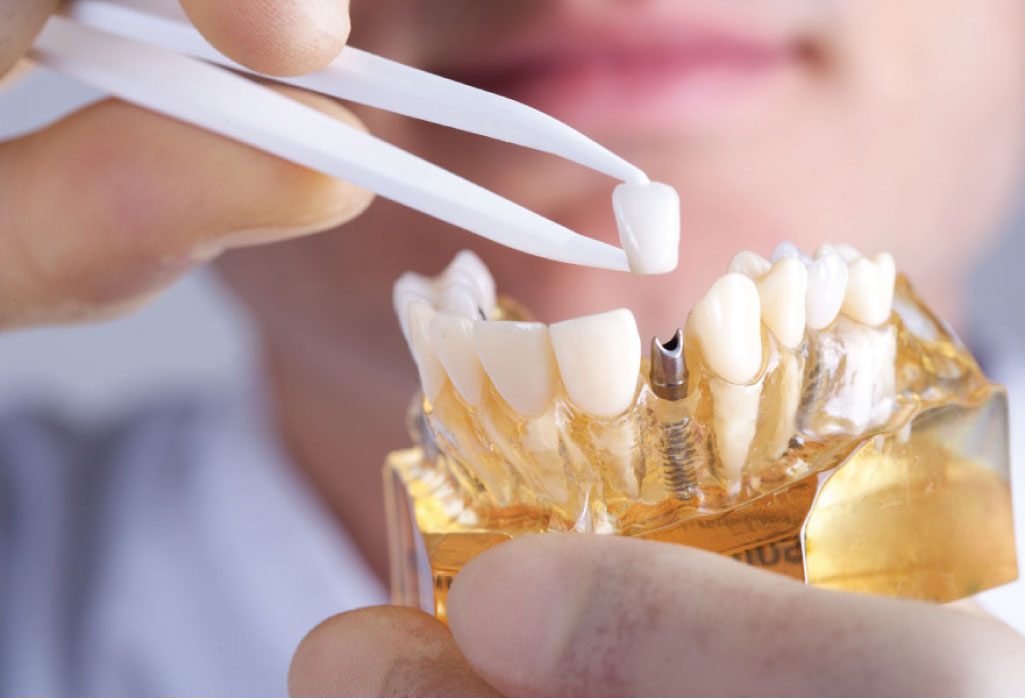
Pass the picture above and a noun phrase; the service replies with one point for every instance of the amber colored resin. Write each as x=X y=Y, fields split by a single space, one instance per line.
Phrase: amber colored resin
x=896 y=486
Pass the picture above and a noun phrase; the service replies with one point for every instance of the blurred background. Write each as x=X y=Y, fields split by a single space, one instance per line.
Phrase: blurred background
x=195 y=336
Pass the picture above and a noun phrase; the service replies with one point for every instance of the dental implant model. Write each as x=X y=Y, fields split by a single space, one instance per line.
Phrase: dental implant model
x=812 y=417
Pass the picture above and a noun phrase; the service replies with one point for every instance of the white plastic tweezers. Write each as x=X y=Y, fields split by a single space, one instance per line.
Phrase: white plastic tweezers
x=150 y=58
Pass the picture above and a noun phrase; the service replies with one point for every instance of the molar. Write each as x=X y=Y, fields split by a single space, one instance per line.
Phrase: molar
x=598 y=357
x=869 y=296
x=848 y=252
x=452 y=338
x=727 y=324
x=410 y=287
x=432 y=373
x=648 y=217
x=827 y=284
x=786 y=249
x=519 y=359
x=468 y=268
x=782 y=291
x=751 y=264
x=462 y=300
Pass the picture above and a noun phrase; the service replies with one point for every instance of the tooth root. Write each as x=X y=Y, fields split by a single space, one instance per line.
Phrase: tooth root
x=751 y=264
x=452 y=338
x=460 y=299
x=598 y=358
x=786 y=249
x=848 y=252
x=788 y=395
x=827 y=285
x=727 y=323
x=518 y=358
x=408 y=288
x=869 y=296
x=735 y=419
x=432 y=373
x=467 y=267
x=782 y=293
x=648 y=217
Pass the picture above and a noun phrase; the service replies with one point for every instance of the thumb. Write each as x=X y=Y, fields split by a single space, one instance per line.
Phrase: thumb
x=108 y=206
x=601 y=615
x=20 y=21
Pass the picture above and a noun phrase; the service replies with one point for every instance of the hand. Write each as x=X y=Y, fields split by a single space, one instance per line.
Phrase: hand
x=556 y=615
x=111 y=204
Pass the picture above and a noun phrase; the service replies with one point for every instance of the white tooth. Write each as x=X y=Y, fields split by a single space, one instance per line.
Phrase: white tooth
x=519 y=359
x=786 y=249
x=782 y=292
x=748 y=263
x=410 y=287
x=727 y=323
x=432 y=373
x=648 y=217
x=598 y=358
x=869 y=297
x=847 y=252
x=827 y=284
x=467 y=265
x=452 y=338
x=735 y=419
x=460 y=299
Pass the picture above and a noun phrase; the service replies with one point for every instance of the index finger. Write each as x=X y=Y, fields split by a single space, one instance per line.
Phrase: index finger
x=20 y=21
x=598 y=615
x=275 y=37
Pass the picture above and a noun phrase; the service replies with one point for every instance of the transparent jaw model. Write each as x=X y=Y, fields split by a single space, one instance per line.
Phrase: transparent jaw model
x=812 y=418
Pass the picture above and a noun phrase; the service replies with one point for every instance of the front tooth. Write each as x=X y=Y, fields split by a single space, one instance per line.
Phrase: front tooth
x=735 y=420
x=727 y=324
x=786 y=249
x=432 y=373
x=410 y=287
x=468 y=267
x=751 y=264
x=648 y=217
x=869 y=297
x=782 y=292
x=827 y=284
x=452 y=338
x=519 y=359
x=460 y=299
x=599 y=357
x=848 y=252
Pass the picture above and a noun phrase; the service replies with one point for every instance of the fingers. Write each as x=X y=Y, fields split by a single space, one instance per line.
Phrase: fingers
x=382 y=652
x=20 y=21
x=589 y=615
x=275 y=37
x=102 y=209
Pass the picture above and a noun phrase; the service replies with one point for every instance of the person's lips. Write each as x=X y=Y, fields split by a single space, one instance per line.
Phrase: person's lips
x=643 y=75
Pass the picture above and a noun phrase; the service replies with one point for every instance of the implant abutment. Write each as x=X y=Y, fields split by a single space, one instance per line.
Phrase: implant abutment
x=668 y=375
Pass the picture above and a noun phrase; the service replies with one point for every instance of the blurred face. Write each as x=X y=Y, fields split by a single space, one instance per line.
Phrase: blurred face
x=889 y=124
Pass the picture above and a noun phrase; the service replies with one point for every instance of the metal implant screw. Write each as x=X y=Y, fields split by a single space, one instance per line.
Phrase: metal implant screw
x=668 y=375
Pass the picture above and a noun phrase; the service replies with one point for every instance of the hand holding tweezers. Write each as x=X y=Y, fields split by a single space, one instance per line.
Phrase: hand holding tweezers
x=159 y=61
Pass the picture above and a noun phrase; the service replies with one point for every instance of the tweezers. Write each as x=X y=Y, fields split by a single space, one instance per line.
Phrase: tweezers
x=157 y=60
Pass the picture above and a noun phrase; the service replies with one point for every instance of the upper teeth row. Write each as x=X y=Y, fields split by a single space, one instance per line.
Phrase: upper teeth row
x=597 y=357
x=787 y=293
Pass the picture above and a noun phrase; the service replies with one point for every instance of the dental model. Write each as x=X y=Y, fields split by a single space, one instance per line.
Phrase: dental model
x=811 y=416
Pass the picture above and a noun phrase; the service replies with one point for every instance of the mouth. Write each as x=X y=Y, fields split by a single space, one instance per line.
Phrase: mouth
x=639 y=68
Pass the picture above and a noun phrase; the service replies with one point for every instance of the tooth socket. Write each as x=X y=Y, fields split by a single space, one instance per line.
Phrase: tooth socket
x=668 y=375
